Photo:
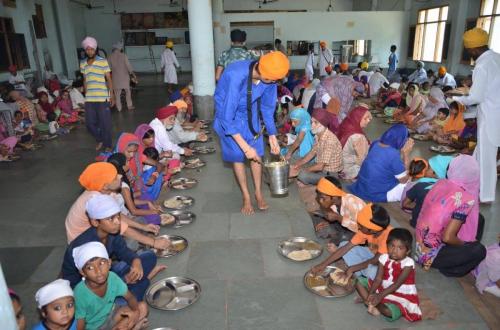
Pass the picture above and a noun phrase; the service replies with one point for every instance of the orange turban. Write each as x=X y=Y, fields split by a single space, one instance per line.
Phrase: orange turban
x=422 y=173
x=476 y=37
x=273 y=66
x=326 y=187
x=442 y=70
x=365 y=216
x=322 y=43
x=344 y=66
x=180 y=104
x=97 y=175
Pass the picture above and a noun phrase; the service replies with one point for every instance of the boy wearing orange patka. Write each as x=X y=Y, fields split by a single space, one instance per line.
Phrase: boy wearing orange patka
x=373 y=229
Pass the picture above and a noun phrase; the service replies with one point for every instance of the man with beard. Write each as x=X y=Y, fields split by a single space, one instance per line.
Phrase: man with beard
x=99 y=95
x=484 y=93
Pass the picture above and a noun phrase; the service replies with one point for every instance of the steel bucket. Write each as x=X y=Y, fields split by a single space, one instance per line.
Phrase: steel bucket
x=277 y=176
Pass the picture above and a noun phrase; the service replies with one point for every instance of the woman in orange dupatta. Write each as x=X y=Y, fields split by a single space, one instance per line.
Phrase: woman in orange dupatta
x=453 y=125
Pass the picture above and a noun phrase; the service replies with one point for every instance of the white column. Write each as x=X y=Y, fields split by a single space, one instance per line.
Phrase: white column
x=7 y=317
x=202 y=56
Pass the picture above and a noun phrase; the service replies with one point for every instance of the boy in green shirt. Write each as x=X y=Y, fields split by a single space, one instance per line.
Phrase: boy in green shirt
x=95 y=295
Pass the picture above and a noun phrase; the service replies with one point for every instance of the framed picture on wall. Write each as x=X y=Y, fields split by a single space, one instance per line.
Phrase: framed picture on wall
x=9 y=3
x=39 y=22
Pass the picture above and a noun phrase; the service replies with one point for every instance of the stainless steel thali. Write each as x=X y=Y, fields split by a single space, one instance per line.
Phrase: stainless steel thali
x=182 y=218
x=203 y=149
x=183 y=183
x=442 y=149
x=178 y=245
x=173 y=293
x=320 y=285
x=178 y=202
x=193 y=163
x=288 y=248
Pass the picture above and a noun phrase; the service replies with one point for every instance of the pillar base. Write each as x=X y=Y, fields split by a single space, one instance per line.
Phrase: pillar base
x=204 y=106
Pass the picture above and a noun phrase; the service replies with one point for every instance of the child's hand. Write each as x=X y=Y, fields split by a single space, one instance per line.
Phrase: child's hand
x=153 y=207
x=333 y=216
x=321 y=225
x=374 y=299
x=133 y=318
x=318 y=269
x=136 y=272
x=153 y=229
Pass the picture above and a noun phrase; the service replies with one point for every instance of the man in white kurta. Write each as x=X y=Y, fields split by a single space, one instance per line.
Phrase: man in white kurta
x=484 y=93
x=419 y=76
x=325 y=58
x=445 y=79
x=169 y=64
x=376 y=81
x=309 y=69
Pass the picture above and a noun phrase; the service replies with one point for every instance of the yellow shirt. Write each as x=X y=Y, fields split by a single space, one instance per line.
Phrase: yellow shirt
x=95 y=79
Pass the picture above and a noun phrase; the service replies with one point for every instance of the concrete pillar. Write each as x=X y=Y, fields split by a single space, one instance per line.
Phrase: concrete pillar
x=374 y=5
x=7 y=317
x=202 y=56
x=66 y=36
x=220 y=32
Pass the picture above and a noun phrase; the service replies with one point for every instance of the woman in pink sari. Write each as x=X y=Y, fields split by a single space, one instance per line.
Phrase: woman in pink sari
x=415 y=104
x=67 y=115
x=342 y=88
x=448 y=224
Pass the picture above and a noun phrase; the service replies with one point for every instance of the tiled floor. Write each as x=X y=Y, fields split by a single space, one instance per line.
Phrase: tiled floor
x=245 y=283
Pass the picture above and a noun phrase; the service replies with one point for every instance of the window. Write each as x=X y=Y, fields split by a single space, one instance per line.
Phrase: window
x=12 y=46
x=430 y=34
x=489 y=20
x=360 y=47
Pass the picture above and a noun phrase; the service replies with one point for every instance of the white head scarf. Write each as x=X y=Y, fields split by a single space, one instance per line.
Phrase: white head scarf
x=83 y=253
x=102 y=206
x=54 y=290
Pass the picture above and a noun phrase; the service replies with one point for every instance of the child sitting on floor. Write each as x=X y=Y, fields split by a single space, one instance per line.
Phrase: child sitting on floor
x=96 y=304
x=362 y=252
x=153 y=181
x=54 y=128
x=56 y=305
x=467 y=140
x=453 y=125
x=393 y=293
x=23 y=129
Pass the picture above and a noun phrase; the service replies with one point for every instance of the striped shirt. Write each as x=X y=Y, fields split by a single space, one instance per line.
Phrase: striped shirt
x=95 y=79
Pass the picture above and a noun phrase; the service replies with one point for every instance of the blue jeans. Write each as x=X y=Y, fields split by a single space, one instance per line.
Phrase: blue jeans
x=357 y=255
x=148 y=261
x=98 y=122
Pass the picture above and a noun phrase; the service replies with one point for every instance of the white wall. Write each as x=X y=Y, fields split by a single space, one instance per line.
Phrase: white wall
x=310 y=5
x=459 y=11
x=383 y=28
x=21 y=16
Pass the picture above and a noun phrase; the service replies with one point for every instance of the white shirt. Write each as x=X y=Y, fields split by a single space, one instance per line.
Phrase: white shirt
x=179 y=135
x=418 y=76
x=162 y=140
x=17 y=81
x=447 y=80
x=376 y=81
x=325 y=58
x=484 y=93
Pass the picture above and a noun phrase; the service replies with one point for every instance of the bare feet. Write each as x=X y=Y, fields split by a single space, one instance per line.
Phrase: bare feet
x=358 y=300
x=261 y=203
x=373 y=310
x=247 y=208
x=155 y=271
x=98 y=146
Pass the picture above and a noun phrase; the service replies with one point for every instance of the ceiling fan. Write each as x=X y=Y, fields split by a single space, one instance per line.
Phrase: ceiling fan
x=87 y=5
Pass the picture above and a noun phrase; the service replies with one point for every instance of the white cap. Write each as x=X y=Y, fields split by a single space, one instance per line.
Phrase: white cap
x=54 y=290
x=286 y=99
x=102 y=206
x=394 y=85
x=83 y=253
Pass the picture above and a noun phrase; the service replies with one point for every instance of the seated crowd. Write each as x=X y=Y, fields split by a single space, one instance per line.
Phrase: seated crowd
x=322 y=129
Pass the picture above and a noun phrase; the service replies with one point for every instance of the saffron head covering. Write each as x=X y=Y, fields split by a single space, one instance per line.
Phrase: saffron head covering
x=396 y=136
x=364 y=65
x=180 y=104
x=54 y=290
x=97 y=175
x=326 y=187
x=476 y=37
x=322 y=43
x=169 y=44
x=167 y=111
x=344 y=66
x=85 y=252
x=442 y=70
x=273 y=65
x=89 y=42
x=365 y=216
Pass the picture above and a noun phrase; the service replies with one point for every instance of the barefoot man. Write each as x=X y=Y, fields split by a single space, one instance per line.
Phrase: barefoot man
x=245 y=94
